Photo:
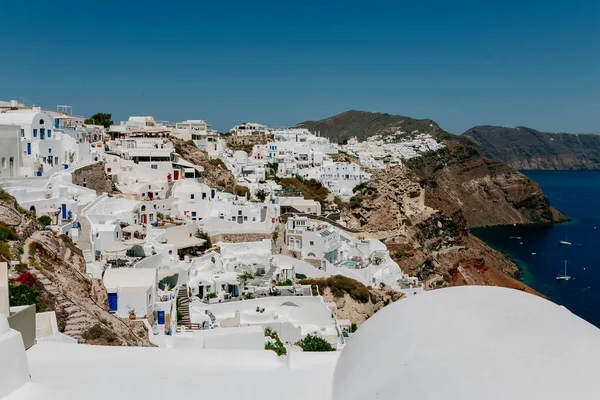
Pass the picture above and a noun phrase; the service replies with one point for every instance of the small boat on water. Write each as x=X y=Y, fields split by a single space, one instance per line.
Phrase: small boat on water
x=564 y=277
x=515 y=238
x=565 y=242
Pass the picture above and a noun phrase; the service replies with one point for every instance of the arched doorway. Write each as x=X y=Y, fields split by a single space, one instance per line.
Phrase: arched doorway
x=11 y=164
x=32 y=210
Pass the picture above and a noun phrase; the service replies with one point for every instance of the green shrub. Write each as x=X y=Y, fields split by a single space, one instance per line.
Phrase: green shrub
x=99 y=332
x=341 y=285
x=359 y=187
x=300 y=276
x=287 y=282
x=314 y=343
x=7 y=233
x=205 y=236
x=44 y=220
x=278 y=346
x=4 y=195
x=217 y=162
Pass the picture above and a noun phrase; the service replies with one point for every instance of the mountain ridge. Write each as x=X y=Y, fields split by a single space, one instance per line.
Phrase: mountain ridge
x=527 y=148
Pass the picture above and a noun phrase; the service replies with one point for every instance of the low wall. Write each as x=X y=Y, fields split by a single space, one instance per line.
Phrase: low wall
x=284 y=218
x=239 y=237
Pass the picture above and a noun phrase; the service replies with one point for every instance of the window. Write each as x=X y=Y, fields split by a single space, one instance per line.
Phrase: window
x=151 y=217
x=55 y=160
x=3 y=162
x=35 y=133
x=49 y=133
x=203 y=195
x=22 y=132
x=170 y=252
x=245 y=218
x=311 y=243
x=49 y=150
x=117 y=234
x=41 y=122
x=308 y=209
x=239 y=212
x=192 y=196
x=193 y=213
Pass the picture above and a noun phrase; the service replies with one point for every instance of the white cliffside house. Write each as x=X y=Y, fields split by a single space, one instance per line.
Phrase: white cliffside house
x=131 y=290
x=10 y=151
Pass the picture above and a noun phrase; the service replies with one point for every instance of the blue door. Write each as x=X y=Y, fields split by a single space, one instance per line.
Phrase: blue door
x=112 y=302
x=161 y=317
x=63 y=208
x=240 y=220
x=29 y=148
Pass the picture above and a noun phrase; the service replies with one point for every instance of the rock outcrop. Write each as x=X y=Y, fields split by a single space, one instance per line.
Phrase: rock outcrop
x=94 y=177
x=423 y=210
x=353 y=300
x=79 y=301
x=15 y=217
x=216 y=173
x=525 y=148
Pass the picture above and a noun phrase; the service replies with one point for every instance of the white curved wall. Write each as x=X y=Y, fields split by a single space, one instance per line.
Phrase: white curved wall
x=471 y=343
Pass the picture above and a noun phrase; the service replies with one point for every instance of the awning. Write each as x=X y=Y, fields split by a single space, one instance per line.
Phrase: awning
x=133 y=228
x=189 y=242
x=134 y=241
x=233 y=283
x=115 y=248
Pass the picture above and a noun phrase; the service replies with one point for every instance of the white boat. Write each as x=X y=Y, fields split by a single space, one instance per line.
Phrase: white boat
x=564 y=277
x=565 y=242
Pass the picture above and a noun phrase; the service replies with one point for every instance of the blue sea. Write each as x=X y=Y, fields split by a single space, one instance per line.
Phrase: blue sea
x=577 y=195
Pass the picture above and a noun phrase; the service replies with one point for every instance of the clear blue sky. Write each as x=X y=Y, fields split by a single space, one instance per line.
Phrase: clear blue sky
x=461 y=63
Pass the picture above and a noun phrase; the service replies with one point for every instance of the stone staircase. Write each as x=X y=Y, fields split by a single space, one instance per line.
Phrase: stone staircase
x=83 y=241
x=183 y=307
x=269 y=275
x=77 y=320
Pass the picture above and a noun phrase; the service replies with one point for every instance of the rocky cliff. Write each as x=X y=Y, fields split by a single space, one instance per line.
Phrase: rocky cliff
x=56 y=280
x=14 y=216
x=216 y=173
x=526 y=148
x=94 y=177
x=423 y=210
x=80 y=302
x=354 y=301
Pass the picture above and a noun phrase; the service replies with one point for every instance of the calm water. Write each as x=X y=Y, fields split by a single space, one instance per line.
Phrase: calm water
x=577 y=195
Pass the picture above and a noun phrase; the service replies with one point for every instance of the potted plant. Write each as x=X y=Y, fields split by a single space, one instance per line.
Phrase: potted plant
x=131 y=313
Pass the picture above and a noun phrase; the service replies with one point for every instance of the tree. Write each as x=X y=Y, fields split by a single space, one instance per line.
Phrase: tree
x=314 y=343
x=261 y=194
x=44 y=220
x=100 y=119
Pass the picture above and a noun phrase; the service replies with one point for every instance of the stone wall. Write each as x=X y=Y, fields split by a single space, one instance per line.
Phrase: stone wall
x=240 y=237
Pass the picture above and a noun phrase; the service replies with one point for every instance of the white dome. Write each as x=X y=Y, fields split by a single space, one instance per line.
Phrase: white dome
x=471 y=343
